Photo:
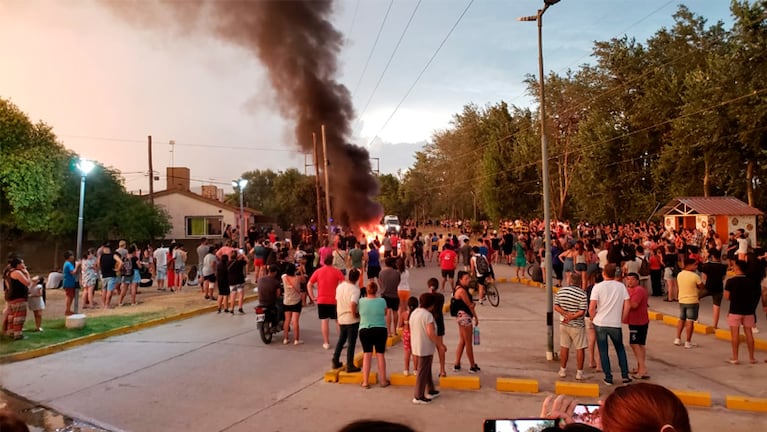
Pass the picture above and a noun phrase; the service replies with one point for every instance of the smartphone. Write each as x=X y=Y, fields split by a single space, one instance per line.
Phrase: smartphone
x=519 y=425
x=588 y=413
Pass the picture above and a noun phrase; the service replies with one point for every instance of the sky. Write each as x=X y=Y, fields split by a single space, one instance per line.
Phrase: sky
x=105 y=84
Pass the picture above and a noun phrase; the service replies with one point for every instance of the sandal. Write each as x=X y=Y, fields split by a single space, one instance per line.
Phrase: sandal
x=385 y=383
x=444 y=374
x=733 y=362
x=366 y=386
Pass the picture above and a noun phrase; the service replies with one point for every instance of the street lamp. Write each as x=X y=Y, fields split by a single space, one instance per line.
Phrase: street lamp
x=84 y=166
x=240 y=184
x=545 y=174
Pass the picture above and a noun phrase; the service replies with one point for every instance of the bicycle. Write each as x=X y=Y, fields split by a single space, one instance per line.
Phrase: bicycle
x=491 y=291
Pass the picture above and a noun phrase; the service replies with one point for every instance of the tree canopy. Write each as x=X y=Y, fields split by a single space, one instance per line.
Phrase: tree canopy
x=684 y=113
x=40 y=189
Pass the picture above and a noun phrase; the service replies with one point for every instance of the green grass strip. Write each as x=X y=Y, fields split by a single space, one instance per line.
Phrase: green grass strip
x=54 y=331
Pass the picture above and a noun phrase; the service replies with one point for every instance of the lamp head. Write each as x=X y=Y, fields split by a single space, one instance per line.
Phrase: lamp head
x=242 y=183
x=550 y=2
x=85 y=166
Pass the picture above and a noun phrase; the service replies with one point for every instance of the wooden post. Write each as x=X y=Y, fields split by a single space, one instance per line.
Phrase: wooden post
x=151 y=173
x=317 y=187
x=327 y=181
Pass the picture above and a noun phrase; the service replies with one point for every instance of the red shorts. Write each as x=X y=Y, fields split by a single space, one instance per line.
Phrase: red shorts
x=735 y=320
x=70 y=292
x=258 y=262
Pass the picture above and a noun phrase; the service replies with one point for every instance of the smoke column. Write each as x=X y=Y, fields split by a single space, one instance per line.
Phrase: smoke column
x=299 y=46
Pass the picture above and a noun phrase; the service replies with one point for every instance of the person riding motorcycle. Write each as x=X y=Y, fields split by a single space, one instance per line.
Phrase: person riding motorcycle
x=270 y=292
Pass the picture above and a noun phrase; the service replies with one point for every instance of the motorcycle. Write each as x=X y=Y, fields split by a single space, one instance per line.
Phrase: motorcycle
x=268 y=322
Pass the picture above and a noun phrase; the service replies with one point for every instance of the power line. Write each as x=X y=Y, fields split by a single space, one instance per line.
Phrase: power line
x=431 y=59
x=182 y=144
x=372 y=50
x=585 y=148
x=391 y=57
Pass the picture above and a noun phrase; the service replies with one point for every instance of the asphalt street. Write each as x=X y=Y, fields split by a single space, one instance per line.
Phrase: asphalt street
x=213 y=373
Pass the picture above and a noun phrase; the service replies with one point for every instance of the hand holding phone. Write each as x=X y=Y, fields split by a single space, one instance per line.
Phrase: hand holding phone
x=588 y=414
x=519 y=425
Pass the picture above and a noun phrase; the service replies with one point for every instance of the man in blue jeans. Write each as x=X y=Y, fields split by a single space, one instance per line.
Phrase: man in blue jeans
x=609 y=307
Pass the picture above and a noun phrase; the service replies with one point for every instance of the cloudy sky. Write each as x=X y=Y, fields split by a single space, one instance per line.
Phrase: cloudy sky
x=105 y=84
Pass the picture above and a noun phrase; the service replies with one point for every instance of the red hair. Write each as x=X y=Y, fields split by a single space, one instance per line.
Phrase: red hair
x=644 y=407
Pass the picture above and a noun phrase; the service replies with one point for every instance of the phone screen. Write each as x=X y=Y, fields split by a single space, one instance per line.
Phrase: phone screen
x=588 y=413
x=519 y=425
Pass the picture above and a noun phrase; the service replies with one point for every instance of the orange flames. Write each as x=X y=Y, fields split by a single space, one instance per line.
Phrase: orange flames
x=373 y=232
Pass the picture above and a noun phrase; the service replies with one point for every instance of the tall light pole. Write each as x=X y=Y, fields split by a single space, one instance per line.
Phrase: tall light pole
x=240 y=184
x=84 y=166
x=545 y=174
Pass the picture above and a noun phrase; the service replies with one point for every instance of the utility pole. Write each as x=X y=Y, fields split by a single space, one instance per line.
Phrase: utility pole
x=151 y=172
x=378 y=165
x=317 y=187
x=327 y=180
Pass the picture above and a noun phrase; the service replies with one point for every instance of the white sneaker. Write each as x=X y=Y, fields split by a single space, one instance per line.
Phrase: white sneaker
x=326 y=346
x=406 y=372
x=579 y=375
x=298 y=342
x=285 y=341
x=677 y=342
x=562 y=372
x=689 y=345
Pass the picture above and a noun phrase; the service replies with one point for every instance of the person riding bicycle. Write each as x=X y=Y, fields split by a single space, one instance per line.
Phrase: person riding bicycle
x=482 y=270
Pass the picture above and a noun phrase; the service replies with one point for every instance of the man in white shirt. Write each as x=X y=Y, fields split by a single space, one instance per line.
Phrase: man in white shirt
x=347 y=299
x=609 y=307
x=424 y=343
x=161 y=266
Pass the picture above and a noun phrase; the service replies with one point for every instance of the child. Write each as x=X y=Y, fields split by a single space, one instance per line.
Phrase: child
x=412 y=304
x=192 y=278
x=36 y=303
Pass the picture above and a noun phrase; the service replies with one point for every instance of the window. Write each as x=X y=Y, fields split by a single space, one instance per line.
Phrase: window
x=201 y=226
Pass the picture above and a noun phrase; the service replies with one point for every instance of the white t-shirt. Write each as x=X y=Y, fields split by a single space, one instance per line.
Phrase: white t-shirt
x=161 y=257
x=609 y=296
x=404 y=281
x=420 y=343
x=742 y=246
x=602 y=256
x=346 y=294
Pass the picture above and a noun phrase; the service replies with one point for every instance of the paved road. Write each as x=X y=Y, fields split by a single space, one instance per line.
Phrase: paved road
x=212 y=373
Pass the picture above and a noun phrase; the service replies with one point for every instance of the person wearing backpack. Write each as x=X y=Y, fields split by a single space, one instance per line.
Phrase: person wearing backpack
x=480 y=268
x=644 y=268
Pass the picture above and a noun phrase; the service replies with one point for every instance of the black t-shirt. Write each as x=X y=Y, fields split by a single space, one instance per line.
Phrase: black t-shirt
x=222 y=275
x=670 y=260
x=267 y=290
x=237 y=272
x=715 y=273
x=744 y=295
x=107 y=264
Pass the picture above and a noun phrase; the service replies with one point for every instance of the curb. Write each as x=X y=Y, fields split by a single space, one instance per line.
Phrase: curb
x=51 y=349
x=723 y=334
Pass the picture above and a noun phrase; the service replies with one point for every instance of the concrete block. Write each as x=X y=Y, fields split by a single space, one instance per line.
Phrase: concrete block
x=576 y=389
x=515 y=280
x=446 y=307
x=460 y=382
x=703 y=329
x=516 y=385
x=393 y=340
x=358 y=359
x=502 y=280
x=331 y=375
x=399 y=379
x=724 y=334
x=670 y=320
x=760 y=344
x=745 y=403
x=693 y=398
x=654 y=316
x=356 y=378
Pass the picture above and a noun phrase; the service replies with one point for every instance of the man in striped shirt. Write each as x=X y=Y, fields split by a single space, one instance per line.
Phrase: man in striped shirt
x=571 y=303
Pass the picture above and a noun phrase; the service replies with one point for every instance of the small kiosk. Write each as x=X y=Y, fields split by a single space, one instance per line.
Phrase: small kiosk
x=721 y=214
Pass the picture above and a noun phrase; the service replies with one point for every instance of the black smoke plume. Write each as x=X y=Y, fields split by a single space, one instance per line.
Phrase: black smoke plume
x=299 y=47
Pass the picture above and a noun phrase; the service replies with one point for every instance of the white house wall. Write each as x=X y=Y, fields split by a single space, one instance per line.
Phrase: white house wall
x=748 y=223
x=179 y=207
